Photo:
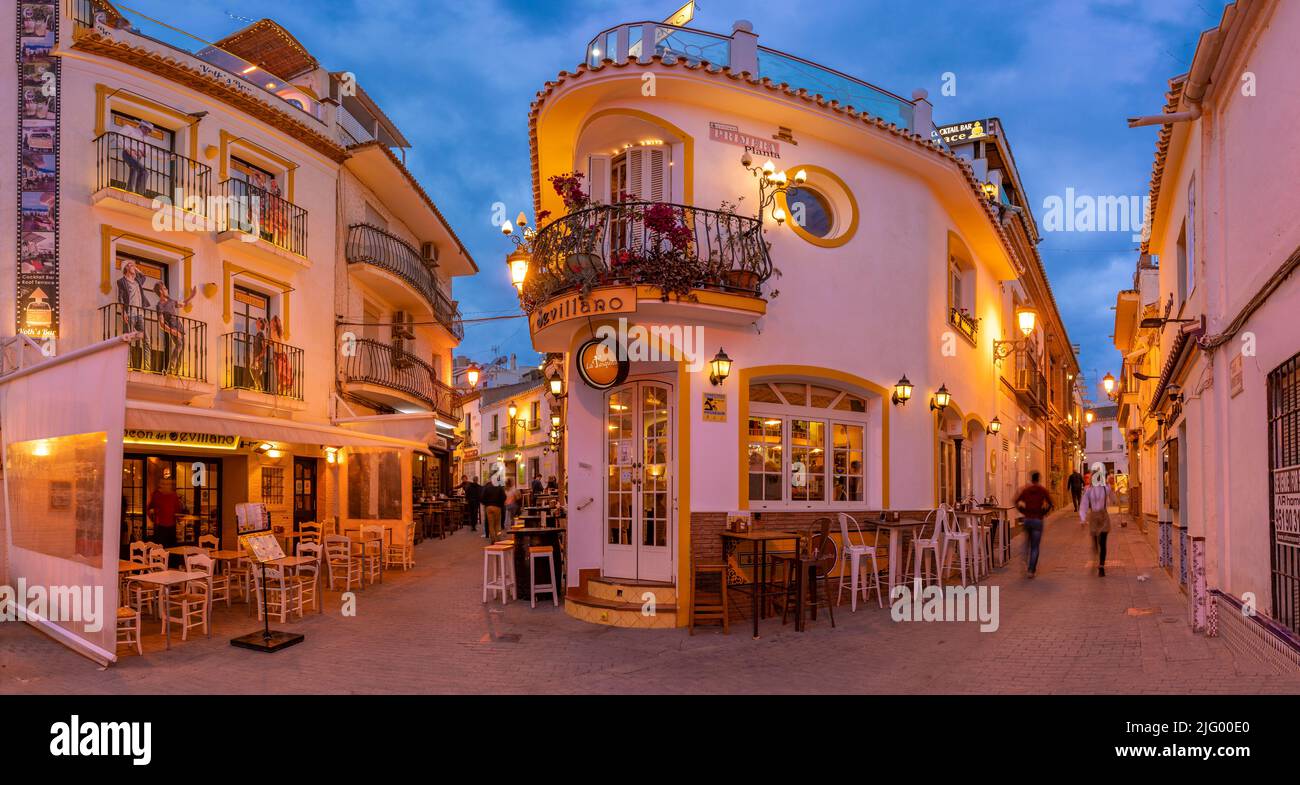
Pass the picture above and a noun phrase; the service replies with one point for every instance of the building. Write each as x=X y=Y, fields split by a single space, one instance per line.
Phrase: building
x=242 y=216
x=500 y=372
x=1209 y=384
x=1105 y=443
x=667 y=228
x=517 y=448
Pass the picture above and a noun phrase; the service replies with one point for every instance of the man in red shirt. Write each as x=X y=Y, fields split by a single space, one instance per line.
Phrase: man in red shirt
x=1034 y=502
x=162 y=509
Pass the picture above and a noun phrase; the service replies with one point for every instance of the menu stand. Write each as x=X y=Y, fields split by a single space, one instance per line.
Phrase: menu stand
x=264 y=547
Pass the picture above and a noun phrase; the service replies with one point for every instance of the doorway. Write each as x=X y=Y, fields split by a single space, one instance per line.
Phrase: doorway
x=639 y=482
x=304 y=491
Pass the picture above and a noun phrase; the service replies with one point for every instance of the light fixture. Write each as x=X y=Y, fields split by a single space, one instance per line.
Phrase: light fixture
x=518 y=264
x=331 y=455
x=902 y=392
x=771 y=183
x=555 y=420
x=995 y=425
x=471 y=375
x=719 y=368
x=800 y=177
x=512 y=410
x=1108 y=383
x=1087 y=416
x=1025 y=319
x=265 y=447
x=941 y=398
x=557 y=383
x=990 y=191
x=42 y=448
x=273 y=453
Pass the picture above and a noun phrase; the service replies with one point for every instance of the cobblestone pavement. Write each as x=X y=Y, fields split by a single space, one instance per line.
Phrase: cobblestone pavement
x=1067 y=631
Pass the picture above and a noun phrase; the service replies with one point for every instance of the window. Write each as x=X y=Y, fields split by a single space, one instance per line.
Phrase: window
x=272 y=485
x=806 y=445
x=492 y=436
x=534 y=415
x=1184 y=287
x=641 y=173
x=810 y=210
x=821 y=211
x=1190 y=249
x=1107 y=439
x=961 y=296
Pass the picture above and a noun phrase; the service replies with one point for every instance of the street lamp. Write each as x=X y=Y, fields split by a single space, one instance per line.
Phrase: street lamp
x=512 y=410
x=1108 y=384
x=719 y=368
x=556 y=382
x=771 y=183
x=941 y=399
x=902 y=392
x=1026 y=318
x=995 y=425
x=471 y=375
x=1087 y=416
x=518 y=264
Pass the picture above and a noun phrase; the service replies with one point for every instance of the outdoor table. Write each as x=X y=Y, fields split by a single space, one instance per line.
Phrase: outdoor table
x=183 y=551
x=359 y=545
x=166 y=580
x=975 y=518
x=895 y=529
x=1002 y=552
x=130 y=566
x=758 y=541
x=529 y=536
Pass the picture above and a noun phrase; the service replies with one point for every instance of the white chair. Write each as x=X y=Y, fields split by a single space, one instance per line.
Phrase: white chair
x=146 y=596
x=277 y=593
x=310 y=532
x=128 y=628
x=199 y=562
x=402 y=554
x=190 y=607
x=542 y=552
x=933 y=545
x=308 y=577
x=853 y=555
x=340 y=563
x=952 y=534
x=499 y=571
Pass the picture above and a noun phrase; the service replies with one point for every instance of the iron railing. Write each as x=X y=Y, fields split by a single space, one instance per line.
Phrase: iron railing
x=1030 y=381
x=370 y=245
x=674 y=247
x=382 y=364
x=138 y=167
x=164 y=345
x=256 y=211
x=254 y=362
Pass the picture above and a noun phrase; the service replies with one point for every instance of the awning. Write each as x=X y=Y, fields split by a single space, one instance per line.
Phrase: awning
x=168 y=417
x=421 y=428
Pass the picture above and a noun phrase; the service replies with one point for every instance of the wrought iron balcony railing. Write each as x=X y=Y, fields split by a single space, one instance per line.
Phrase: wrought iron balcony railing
x=254 y=362
x=384 y=365
x=164 y=345
x=673 y=247
x=132 y=165
x=256 y=211
x=370 y=245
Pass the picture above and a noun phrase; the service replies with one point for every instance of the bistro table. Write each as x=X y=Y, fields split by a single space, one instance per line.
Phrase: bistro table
x=896 y=529
x=1002 y=549
x=526 y=537
x=758 y=541
x=166 y=580
x=185 y=550
x=975 y=518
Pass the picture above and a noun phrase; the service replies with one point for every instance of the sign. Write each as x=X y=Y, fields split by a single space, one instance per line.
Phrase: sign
x=1286 y=506
x=37 y=306
x=261 y=547
x=682 y=16
x=715 y=407
x=470 y=455
x=601 y=302
x=730 y=134
x=211 y=441
x=251 y=517
x=969 y=131
x=599 y=366
x=1236 y=379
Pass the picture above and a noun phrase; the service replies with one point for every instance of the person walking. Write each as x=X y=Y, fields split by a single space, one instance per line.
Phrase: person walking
x=1075 y=484
x=473 y=494
x=1093 y=511
x=513 y=502
x=494 y=507
x=1034 y=502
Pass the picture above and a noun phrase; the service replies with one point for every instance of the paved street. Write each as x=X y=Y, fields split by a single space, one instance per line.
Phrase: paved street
x=1067 y=631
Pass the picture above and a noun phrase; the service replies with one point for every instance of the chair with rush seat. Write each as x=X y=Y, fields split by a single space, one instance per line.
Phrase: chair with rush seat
x=128 y=628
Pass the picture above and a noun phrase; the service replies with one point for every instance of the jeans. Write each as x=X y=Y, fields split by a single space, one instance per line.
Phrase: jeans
x=493 y=523
x=1034 y=536
x=1077 y=496
x=1100 y=538
x=138 y=175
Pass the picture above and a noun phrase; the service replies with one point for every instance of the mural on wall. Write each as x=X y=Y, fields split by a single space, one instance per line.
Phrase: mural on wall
x=37 y=304
x=375 y=485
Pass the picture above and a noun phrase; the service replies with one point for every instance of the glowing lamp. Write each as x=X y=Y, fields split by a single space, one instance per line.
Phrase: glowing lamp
x=902 y=391
x=719 y=368
x=1025 y=318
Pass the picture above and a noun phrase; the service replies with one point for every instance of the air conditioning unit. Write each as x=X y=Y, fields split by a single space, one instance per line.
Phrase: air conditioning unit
x=403 y=324
x=429 y=252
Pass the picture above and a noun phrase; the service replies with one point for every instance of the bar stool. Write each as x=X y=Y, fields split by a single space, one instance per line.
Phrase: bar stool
x=128 y=628
x=536 y=552
x=709 y=606
x=499 y=570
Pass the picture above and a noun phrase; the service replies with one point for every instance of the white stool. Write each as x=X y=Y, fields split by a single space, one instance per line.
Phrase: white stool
x=499 y=571
x=128 y=628
x=542 y=552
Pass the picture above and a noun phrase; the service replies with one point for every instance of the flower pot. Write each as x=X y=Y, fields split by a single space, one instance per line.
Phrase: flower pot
x=581 y=262
x=741 y=279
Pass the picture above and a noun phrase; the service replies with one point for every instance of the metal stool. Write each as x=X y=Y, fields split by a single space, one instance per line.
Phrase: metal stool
x=536 y=552
x=499 y=571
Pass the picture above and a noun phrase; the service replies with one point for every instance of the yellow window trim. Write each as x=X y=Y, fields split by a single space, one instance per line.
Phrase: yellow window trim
x=815 y=172
x=228 y=272
x=104 y=92
x=552 y=202
x=744 y=378
x=229 y=141
x=109 y=235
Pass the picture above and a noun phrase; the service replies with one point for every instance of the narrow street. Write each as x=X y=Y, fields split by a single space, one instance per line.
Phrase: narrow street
x=1067 y=631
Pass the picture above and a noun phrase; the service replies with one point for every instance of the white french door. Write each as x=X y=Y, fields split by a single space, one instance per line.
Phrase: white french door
x=639 y=482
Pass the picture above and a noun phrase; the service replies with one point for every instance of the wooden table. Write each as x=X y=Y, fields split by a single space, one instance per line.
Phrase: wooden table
x=895 y=529
x=130 y=566
x=758 y=541
x=528 y=536
x=166 y=580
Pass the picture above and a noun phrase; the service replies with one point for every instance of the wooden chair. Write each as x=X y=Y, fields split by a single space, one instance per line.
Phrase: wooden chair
x=402 y=554
x=340 y=563
x=307 y=578
x=280 y=594
x=709 y=605
x=191 y=607
x=310 y=532
x=199 y=562
x=372 y=552
x=128 y=628
x=209 y=542
x=803 y=574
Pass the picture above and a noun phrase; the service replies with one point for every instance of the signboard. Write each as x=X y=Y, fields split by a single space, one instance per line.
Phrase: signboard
x=261 y=547
x=470 y=455
x=600 y=302
x=211 y=441
x=715 y=407
x=682 y=16
x=251 y=517
x=37 y=306
x=1236 y=379
x=758 y=146
x=969 y=131
x=1286 y=506
x=599 y=366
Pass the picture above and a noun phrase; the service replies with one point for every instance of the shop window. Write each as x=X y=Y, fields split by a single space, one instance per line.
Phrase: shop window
x=272 y=485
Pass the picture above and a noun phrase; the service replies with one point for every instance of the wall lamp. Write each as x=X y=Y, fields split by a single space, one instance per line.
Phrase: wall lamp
x=902 y=392
x=556 y=384
x=995 y=425
x=719 y=368
x=771 y=183
x=941 y=399
x=1026 y=318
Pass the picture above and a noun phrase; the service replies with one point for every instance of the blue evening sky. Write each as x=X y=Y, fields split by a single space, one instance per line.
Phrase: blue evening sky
x=457 y=78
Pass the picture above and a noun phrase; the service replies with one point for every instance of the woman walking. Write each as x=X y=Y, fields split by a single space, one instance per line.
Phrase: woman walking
x=1097 y=497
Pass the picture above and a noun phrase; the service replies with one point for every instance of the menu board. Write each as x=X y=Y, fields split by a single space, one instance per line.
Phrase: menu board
x=261 y=547
x=37 y=306
x=252 y=517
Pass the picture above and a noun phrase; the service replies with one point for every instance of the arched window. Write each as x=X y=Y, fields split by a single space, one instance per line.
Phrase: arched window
x=806 y=445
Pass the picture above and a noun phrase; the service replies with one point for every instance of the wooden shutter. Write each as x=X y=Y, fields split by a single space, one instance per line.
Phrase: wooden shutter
x=598 y=178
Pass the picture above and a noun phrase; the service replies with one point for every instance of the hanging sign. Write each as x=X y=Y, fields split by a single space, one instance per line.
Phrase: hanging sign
x=212 y=441
x=969 y=131
x=599 y=366
x=1286 y=506
x=37 y=306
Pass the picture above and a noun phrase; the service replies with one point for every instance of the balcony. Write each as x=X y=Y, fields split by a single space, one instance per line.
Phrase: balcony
x=672 y=247
x=253 y=363
x=174 y=347
x=134 y=173
x=966 y=324
x=253 y=212
x=695 y=46
x=381 y=257
x=1031 y=384
x=395 y=379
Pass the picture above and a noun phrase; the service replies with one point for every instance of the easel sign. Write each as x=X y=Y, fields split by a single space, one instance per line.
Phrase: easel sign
x=261 y=547
x=259 y=542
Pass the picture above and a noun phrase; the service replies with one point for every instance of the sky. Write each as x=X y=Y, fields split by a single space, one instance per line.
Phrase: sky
x=1063 y=75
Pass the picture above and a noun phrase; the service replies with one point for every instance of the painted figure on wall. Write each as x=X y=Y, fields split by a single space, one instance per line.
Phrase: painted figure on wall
x=170 y=323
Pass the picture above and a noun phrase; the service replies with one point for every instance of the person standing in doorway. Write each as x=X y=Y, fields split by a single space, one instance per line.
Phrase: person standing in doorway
x=1033 y=502
x=163 y=507
x=494 y=507
x=1075 y=484
x=1095 y=513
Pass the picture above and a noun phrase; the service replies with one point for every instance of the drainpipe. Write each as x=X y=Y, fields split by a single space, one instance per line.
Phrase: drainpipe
x=1198 y=81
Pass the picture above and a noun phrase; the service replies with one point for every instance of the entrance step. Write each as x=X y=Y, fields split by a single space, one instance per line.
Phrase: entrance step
x=619 y=603
x=624 y=590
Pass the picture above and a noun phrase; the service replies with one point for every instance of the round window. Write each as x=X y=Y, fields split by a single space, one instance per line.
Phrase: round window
x=821 y=210
x=810 y=211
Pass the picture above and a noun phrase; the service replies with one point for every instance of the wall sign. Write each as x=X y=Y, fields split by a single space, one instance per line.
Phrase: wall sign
x=37 y=304
x=213 y=441
x=969 y=131
x=600 y=302
x=715 y=407
x=730 y=134
x=599 y=367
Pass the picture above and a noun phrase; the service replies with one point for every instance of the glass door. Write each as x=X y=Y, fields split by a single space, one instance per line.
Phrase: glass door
x=639 y=485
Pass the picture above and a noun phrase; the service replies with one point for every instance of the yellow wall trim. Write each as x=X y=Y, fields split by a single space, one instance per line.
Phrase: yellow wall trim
x=688 y=149
x=109 y=235
x=228 y=272
x=814 y=172
x=187 y=122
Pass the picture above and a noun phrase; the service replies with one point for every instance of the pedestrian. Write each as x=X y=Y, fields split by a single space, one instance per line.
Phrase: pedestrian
x=552 y=484
x=473 y=494
x=494 y=507
x=512 y=502
x=536 y=486
x=163 y=508
x=1076 y=487
x=1093 y=511
x=1033 y=502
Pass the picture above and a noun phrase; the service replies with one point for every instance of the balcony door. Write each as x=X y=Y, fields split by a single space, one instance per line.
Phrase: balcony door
x=249 y=363
x=157 y=159
x=640 y=482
